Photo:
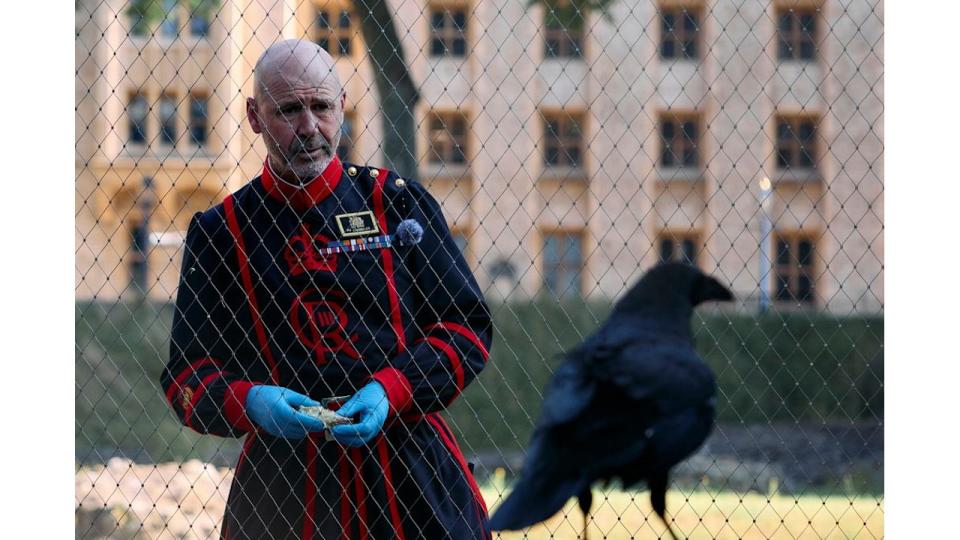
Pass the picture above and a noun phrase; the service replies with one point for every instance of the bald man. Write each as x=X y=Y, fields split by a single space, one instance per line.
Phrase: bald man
x=320 y=279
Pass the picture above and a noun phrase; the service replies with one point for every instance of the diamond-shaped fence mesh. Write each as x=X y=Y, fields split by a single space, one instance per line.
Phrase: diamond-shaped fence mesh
x=552 y=151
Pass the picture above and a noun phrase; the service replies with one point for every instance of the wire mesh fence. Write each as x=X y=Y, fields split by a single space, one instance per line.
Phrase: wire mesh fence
x=552 y=151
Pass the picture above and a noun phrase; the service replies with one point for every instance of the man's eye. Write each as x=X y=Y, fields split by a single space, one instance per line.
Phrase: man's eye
x=290 y=109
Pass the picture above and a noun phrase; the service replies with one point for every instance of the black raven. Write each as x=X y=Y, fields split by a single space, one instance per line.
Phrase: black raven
x=630 y=402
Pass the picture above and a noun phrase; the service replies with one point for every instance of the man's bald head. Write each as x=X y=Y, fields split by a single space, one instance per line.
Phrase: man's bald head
x=295 y=61
x=297 y=107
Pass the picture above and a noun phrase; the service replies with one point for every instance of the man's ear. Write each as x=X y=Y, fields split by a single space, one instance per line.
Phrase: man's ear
x=253 y=116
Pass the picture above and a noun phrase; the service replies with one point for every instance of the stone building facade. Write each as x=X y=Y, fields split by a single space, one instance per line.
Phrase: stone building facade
x=570 y=154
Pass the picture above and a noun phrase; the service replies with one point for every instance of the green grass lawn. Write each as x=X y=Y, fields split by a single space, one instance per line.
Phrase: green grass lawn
x=705 y=514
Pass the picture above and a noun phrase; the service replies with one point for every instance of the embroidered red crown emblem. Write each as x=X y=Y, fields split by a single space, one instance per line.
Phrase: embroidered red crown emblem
x=303 y=256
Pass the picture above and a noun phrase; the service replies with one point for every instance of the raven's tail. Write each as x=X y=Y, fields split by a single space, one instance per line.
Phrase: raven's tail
x=585 y=501
x=531 y=502
x=658 y=497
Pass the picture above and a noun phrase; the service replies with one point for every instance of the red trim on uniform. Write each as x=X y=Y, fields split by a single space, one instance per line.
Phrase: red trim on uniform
x=359 y=486
x=186 y=372
x=199 y=393
x=305 y=197
x=388 y=261
x=437 y=422
x=452 y=356
x=244 y=264
x=463 y=331
x=235 y=405
x=310 y=489
x=345 y=512
x=398 y=389
x=388 y=487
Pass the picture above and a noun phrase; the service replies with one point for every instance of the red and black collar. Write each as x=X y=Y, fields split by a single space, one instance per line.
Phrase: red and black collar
x=305 y=197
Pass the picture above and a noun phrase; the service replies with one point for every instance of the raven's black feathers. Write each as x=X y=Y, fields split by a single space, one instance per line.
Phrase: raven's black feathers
x=627 y=404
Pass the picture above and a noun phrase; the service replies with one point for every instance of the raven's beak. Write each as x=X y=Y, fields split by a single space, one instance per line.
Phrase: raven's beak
x=709 y=289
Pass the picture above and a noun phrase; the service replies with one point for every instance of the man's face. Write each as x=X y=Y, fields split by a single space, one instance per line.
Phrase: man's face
x=300 y=121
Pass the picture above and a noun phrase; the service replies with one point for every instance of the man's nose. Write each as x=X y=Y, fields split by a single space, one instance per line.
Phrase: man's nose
x=307 y=124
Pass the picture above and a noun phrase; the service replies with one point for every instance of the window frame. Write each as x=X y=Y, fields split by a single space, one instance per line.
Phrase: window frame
x=570 y=41
x=677 y=237
x=790 y=48
x=795 y=145
x=448 y=35
x=333 y=32
x=168 y=97
x=145 y=121
x=679 y=141
x=443 y=143
x=678 y=34
x=564 y=140
x=192 y=120
x=793 y=269
x=580 y=272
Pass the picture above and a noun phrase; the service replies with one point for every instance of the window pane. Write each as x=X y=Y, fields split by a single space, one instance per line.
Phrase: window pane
x=667 y=130
x=689 y=21
x=690 y=131
x=667 y=157
x=783 y=158
x=783 y=252
x=460 y=20
x=689 y=252
x=666 y=250
x=198 y=120
x=784 y=52
x=199 y=25
x=576 y=50
x=667 y=49
x=783 y=288
x=785 y=22
x=805 y=133
x=168 y=121
x=783 y=131
x=804 y=288
x=573 y=154
x=668 y=22
x=344 y=19
x=689 y=157
x=344 y=46
x=805 y=253
x=807 y=51
x=321 y=20
x=137 y=113
x=459 y=47
x=436 y=20
x=690 y=49
x=436 y=47
x=551 y=48
x=551 y=156
x=807 y=22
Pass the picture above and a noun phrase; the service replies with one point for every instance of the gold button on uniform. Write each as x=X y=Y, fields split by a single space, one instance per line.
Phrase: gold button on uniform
x=352 y=171
x=374 y=172
x=400 y=182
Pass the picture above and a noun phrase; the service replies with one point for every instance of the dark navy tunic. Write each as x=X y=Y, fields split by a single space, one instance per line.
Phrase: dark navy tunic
x=262 y=301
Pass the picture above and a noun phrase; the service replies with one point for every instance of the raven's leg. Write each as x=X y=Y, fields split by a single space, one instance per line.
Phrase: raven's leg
x=585 y=501
x=658 y=497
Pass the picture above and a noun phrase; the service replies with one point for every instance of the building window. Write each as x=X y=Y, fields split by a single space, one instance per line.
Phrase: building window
x=199 y=25
x=563 y=31
x=796 y=142
x=333 y=30
x=448 y=138
x=679 y=33
x=796 y=32
x=347 y=130
x=137 y=111
x=563 y=140
x=679 y=140
x=678 y=247
x=198 y=120
x=448 y=27
x=168 y=120
x=170 y=27
x=794 y=268
x=562 y=264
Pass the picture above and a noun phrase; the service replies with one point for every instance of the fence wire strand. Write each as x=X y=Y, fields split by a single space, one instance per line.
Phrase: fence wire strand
x=570 y=145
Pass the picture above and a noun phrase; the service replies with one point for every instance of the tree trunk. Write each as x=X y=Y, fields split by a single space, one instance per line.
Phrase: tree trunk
x=398 y=94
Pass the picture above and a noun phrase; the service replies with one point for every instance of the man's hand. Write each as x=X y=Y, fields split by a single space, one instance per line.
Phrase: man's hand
x=275 y=410
x=370 y=407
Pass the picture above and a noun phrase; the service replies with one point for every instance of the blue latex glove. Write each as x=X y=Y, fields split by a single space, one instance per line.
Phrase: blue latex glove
x=370 y=407
x=275 y=410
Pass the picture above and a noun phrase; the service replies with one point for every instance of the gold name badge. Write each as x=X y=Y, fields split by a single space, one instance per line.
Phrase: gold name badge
x=357 y=224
